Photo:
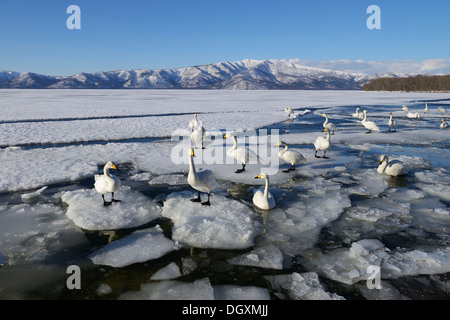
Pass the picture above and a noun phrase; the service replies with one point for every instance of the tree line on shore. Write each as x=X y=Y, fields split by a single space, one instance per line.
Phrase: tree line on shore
x=414 y=83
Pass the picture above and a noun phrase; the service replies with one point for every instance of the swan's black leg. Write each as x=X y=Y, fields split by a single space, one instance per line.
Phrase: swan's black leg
x=198 y=199
x=325 y=157
x=114 y=200
x=241 y=170
x=105 y=203
x=315 y=155
x=291 y=168
x=206 y=203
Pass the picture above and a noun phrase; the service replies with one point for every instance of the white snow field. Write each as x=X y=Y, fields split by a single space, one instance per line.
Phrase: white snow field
x=336 y=219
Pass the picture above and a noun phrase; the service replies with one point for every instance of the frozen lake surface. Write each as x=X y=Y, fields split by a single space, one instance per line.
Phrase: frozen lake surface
x=338 y=226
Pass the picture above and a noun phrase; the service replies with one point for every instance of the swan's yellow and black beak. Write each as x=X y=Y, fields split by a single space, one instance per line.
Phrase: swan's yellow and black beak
x=192 y=153
x=258 y=177
x=276 y=145
x=224 y=136
x=114 y=166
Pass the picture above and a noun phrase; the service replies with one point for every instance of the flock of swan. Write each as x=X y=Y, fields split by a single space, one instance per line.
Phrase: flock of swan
x=205 y=182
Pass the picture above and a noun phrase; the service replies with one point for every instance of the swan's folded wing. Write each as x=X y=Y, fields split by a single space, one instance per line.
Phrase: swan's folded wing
x=208 y=178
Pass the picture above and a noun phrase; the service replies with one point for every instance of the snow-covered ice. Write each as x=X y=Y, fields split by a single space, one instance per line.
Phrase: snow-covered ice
x=171 y=271
x=226 y=224
x=86 y=209
x=200 y=289
x=305 y=286
x=232 y=292
x=140 y=246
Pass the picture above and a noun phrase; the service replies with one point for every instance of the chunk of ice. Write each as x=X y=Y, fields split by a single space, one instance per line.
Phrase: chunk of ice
x=172 y=290
x=268 y=256
x=171 y=271
x=86 y=209
x=226 y=224
x=140 y=246
x=305 y=286
x=232 y=292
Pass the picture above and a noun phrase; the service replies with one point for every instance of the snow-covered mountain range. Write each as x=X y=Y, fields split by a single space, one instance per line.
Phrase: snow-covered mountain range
x=241 y=75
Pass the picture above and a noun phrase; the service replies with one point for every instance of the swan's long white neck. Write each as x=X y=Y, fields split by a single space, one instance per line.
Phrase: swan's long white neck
x=390 y=117
x=235 y=143
x=326 y=120
x=266 y=189
x=365 y=116
x=107 y=175
x=191 y=164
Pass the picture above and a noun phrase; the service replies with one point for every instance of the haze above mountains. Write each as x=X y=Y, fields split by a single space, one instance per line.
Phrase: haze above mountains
x=241 y=75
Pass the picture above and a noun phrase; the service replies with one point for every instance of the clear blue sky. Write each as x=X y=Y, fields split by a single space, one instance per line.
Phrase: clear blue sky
x=159 y=34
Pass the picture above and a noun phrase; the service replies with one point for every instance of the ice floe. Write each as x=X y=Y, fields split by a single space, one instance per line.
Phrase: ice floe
x=139 y=246
x=268 y=256
x=86 y=209
x=226 y=224
x=233 y=292
x=304 y=286
x=200 y=289
x=171 y=271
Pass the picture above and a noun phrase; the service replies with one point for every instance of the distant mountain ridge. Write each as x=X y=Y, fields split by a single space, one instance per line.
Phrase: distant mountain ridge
x=241 y=75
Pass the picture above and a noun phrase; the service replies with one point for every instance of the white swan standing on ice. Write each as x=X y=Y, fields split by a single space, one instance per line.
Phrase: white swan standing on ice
x=323 y=144
x=412 y=115
x=262 y=198
x=405 y=108
x=244 y=155
x=444 y=125
x=293 y=157
x=197 y=136
x=442 y=110
x=391 y=168
x=358 y=114
x=107 y=183
x=392 y=123
x=290 y=113
x=193 y=123
x=370 y=125
x=203 y=181
x=329 y=125
x=197 y=132
x=426 y=110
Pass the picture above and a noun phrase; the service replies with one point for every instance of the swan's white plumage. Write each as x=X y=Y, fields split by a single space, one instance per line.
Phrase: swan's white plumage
x=391 y=168
x=293 y=157
x=107 y=182
x=426 y=110
x=358 y=114
x=241 y=154
x=197 y=135
x=290 y=113
x=202 y=181
x=321 y=143
x=444 y=125
x=193 y=123
x=329 y=125
x=262 y=198
x=370 y=125
x=412 y=115
x=392 y=123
